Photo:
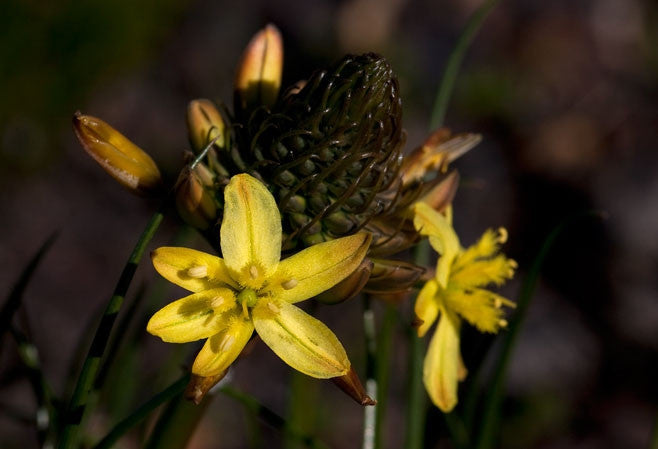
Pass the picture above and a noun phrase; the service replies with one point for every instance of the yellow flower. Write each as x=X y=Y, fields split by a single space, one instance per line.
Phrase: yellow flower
x=252 y=289
x=457 y=292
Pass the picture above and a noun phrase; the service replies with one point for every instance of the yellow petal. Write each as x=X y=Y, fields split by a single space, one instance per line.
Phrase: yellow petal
x=193 y=270
x=427 y=306
x=194 y=317
x=441 y=370
x=480 y=307
x=318 y=268
x=300 y=340
x=442 y=238
x=223 y=348
x=251 y=231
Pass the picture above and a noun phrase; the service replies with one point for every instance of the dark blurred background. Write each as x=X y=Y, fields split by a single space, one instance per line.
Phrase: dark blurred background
x=564 y=93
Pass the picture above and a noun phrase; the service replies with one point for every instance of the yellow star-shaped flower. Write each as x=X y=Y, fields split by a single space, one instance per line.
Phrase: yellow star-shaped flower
x=252 y=289
x=457 y=292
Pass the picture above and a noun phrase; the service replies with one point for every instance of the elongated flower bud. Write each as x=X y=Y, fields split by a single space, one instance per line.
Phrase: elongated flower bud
x=195 y=203
x=352 y=386
x=122 y=159
x=348 y=287
x=204 y=123
x=258 y=79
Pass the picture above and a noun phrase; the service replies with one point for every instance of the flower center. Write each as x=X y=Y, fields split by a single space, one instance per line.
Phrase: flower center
x=247 y=298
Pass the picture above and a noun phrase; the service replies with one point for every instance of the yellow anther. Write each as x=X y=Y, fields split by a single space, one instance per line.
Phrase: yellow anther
x=498 y=303
x=512 y=263
x=253 y=272
x=502 y=235
x=199 y=271
x=273 y=307
x=292 y=283
x=502 y=323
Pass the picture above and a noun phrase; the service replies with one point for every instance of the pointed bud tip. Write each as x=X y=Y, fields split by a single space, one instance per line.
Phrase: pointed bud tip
x=352 y=386
x=199 y=386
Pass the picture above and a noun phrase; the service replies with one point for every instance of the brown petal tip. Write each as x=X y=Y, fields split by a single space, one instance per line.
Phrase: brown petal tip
x=352 y=386
x=199 y=386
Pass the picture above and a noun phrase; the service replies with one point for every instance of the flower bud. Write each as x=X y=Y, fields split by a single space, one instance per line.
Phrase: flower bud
x=194 y=201
x=348 y=287
x=392 y=276
x=122 y=159
x=443 y=193
x=199 y=386
x=352 y=386
x=204 y=124
x=258 y=79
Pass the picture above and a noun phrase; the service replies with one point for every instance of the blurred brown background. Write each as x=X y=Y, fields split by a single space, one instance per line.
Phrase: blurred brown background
x=564 y=92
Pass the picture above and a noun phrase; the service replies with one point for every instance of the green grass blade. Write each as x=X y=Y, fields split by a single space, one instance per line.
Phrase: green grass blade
x=653 y=443
x=384 y=351
x=87 y=377
x=142 y=412
x=454 y=63
x=15 y=298
x=491 y=411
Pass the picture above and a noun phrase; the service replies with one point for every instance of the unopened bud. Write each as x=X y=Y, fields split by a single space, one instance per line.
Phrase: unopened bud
x=204 y=124
x=122 y=159
x=392 y=276
x=348 y=287
x=352 y=386
x=258 y=79
x=194 y=202
x=443 y=193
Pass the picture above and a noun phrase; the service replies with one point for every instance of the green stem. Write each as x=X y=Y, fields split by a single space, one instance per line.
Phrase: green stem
x=384 y=351
x=416 y=404
x=493 y=400
x=370 y=413
x=653 y=444
x=454 y=63
x=270 y=417
x=87 y=377
x=142 y=412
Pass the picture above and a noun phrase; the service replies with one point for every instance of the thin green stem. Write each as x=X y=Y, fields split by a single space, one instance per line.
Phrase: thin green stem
x=370 y=413
x=87 y=377
x=384 y=351
x=493 y=400
x=416 y=404
x=653 y=444
x=142 y=412
x=271 y=418
x=455 y=61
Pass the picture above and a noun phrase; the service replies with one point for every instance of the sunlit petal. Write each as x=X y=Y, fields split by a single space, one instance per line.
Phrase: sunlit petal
x=318 y=268
x=251 y=231
x=193 y=270
x=192 y=318
x=442 y=363
x=223 y=348
x=300 y=340
x=427 y=306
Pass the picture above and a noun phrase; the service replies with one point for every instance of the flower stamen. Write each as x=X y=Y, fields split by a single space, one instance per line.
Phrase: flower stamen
x=290 y=284
x=197 y=272
x=253 y=272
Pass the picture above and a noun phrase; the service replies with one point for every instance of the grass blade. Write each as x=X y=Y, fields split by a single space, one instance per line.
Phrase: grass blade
x=493 y=400
x=455 y=61
x=87 y=377
x=384 y=351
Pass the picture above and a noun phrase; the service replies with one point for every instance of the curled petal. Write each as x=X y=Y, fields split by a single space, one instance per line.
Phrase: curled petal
x=192 y=318
x=193 y=270
x=442 y=237
x=223 y=348
x=300 y=340
x=441 y=369
x=427 y=306
x=319 y=267
x=251 y=231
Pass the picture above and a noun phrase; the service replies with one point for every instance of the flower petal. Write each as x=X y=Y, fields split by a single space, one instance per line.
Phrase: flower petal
x=482 y=308
x=441 y=369
x=427 y=307
x=193 y=270
x=251 y=231
x=441 y=235
x=223 y=348
x=300 y=340
x=318 y=268
x=192 y=318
